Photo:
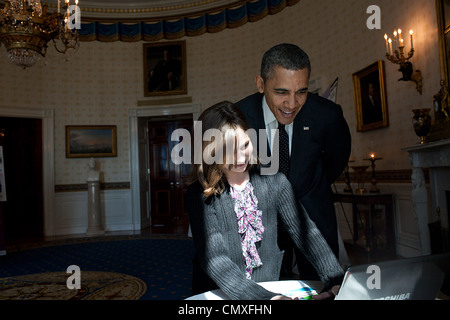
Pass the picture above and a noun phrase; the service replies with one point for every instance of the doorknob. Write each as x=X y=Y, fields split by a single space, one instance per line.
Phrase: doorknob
x=178 y=184
x=171 y=185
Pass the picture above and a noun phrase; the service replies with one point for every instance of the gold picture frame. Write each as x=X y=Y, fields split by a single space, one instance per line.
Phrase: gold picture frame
x=440 y=128
x=91 y=141
x=369 y=91
x=165 y=68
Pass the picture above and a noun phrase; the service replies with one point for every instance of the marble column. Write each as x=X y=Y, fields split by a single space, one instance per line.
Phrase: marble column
x=419 y=198
x=95 y=223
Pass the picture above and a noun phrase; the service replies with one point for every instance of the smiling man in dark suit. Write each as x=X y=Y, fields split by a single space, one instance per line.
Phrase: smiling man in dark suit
x=319 y=140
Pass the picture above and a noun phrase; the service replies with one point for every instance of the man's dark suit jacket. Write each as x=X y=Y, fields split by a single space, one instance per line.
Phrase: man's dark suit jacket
x=321 y=145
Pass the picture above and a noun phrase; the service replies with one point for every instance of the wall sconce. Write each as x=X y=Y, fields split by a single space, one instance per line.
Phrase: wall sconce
x=395 y=52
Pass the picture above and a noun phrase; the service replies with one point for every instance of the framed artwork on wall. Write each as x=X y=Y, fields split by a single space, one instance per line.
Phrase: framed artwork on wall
x=91 y=141
x=440 y=128
x=369 y=91
x=165 y=68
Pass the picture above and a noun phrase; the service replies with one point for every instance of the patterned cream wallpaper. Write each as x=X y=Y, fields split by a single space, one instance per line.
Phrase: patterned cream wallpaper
x=102 y=81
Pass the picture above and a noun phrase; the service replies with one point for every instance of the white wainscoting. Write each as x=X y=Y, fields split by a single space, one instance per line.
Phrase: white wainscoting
x=71 y=215
x=405 y=223
x=72 y=211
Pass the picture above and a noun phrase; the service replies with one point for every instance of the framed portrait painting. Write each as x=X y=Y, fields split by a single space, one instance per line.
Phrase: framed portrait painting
x=369 y=91
x=165 y=68
x=91 y=141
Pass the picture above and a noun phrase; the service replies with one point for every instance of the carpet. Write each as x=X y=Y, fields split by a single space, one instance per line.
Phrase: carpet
x=95 y=285
x=154 y=269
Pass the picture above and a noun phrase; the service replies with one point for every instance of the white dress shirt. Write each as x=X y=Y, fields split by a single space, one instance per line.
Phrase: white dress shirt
x=272 y=124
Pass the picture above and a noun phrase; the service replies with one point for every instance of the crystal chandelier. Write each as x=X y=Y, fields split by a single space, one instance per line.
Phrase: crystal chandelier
x=26 y=28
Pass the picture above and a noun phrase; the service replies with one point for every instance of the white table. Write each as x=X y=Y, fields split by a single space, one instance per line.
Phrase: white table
x=284 y=287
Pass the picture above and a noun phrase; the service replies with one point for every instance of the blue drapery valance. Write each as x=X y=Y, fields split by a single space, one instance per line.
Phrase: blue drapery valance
x=175 y=28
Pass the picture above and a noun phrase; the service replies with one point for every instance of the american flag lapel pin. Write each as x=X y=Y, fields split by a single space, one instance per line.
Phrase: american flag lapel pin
x=305 y=128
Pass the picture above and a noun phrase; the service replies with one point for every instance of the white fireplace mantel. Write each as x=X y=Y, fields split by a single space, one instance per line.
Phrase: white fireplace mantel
x=436 y=157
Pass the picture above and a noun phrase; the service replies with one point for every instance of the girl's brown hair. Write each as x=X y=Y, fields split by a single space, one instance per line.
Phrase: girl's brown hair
x=221 y=116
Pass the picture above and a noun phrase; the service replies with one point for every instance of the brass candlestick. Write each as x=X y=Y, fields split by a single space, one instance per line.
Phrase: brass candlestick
x=348 y=187
x=374 y=188
x=398 y=55
x=360 y=175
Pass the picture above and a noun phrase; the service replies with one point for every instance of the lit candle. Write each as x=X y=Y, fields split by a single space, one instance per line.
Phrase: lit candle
x=390 y=46
x=387 y=43
x=372 y=155
x=395 y=39
x=411 y=36
x=400 y=39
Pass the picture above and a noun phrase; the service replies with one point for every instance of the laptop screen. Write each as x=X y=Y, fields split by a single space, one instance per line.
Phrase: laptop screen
x=418 y=278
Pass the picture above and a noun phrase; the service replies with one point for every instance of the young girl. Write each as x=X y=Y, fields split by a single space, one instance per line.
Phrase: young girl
x=234 y=211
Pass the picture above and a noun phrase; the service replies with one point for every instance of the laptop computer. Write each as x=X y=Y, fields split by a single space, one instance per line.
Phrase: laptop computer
x=418 y=278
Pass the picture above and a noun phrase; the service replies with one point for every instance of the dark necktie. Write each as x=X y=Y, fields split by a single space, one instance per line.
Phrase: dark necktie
x=284 y=150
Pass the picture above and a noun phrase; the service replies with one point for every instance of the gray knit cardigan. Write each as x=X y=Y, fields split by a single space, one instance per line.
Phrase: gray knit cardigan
x=218 y=244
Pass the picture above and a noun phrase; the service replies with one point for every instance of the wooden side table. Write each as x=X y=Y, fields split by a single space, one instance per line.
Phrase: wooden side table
x=371 y=200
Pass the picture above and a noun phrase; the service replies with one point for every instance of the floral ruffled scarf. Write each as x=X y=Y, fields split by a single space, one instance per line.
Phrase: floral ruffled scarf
x=250 y=225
